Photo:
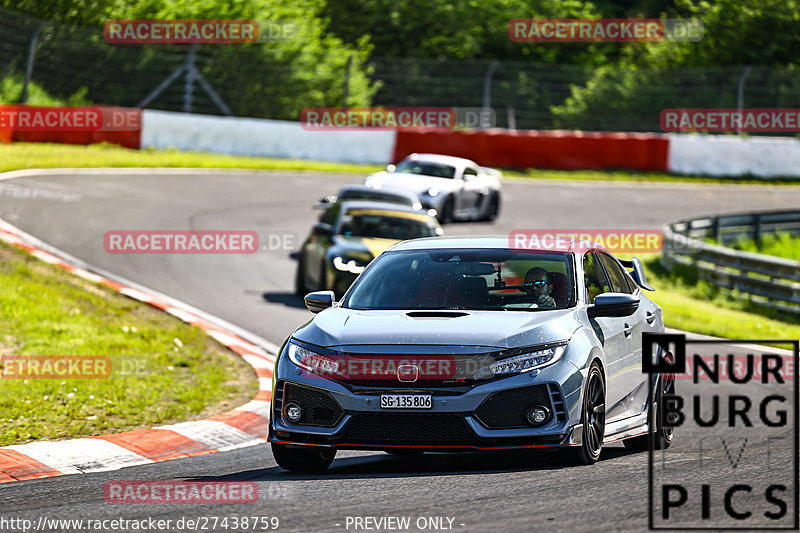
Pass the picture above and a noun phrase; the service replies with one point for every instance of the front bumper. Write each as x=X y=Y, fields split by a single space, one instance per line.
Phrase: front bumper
x=488 y=416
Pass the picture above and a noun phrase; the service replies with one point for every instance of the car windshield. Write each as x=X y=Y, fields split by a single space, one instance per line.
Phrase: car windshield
x=375 y=195
x=402 y=226
x=427 y=169
x=494 y=280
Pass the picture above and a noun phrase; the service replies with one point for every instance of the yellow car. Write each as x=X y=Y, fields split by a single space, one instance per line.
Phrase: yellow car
x=349 y=235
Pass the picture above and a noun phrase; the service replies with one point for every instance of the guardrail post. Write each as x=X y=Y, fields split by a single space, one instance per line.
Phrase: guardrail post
x=715 y=230
x=757 y=230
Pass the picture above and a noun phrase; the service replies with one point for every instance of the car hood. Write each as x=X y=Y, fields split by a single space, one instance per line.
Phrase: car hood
x=416 y=183
x=371 y=245
x=452 y=332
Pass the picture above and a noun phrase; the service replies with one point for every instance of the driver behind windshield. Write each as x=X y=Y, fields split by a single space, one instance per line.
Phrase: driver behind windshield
x=538 y=286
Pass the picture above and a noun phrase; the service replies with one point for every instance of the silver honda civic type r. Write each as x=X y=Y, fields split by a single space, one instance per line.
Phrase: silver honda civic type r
x=468 y=343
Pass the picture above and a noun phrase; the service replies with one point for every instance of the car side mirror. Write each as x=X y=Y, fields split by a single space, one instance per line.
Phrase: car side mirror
x=321 y=228
x=325 y=202
x=613 y=304
x=319 y=301
x=390 y=168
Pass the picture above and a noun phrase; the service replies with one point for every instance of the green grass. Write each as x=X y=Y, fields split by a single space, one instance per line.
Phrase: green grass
x=694 y=305
x=174 y=371
x=781 y=244
x=17 y=156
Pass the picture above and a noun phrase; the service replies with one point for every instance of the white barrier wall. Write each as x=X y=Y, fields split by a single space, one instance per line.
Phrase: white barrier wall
x=696 y=154
x=726 y=155
x=266 y=138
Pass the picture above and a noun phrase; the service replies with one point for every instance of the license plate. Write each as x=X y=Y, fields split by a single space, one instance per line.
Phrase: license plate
x=406 y=401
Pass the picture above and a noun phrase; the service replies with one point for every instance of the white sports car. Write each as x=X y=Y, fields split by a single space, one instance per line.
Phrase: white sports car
x=457 y=188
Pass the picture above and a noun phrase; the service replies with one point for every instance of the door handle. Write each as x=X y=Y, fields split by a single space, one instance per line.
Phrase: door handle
x=650 y=317
x=627 y=330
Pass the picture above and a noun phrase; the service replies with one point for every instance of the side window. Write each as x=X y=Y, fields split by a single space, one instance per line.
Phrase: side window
x=594 y=277
x=631 y=283
x=469 y=171
x=619 y=281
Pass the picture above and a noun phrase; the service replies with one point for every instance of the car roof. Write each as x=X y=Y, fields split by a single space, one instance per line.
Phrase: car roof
x=443 y=159
x=347 y=205
x=493 y=242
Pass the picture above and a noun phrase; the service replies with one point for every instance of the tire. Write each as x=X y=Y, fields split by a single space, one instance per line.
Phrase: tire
x=493 y=209
x=446 y=215
x=300 y=460
x=663 y=436
x=593 y=418
x=300 y=287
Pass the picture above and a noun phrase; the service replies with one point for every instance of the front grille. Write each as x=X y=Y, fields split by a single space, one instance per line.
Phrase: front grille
x=361 y=386
x=506 y=409
x=458 y=373
x=319 y=408
x=407 y=428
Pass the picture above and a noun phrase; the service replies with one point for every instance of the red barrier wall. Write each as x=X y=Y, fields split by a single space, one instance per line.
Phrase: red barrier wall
x=130 y=138
x=565 y=150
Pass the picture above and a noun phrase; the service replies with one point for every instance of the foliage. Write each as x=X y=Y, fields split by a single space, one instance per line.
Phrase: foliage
x=11 y=92
x=781 y=244
x=275 y=79
x=762 y=34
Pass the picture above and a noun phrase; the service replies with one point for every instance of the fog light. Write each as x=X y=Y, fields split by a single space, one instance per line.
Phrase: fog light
x=537 y=415
x=294 y=412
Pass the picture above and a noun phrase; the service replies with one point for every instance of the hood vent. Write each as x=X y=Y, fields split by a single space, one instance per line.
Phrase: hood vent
x=436 y=314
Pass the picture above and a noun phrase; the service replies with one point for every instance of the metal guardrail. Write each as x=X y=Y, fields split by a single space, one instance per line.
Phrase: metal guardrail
x=767 y=280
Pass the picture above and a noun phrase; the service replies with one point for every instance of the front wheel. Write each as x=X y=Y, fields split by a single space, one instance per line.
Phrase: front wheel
x=593 y=418
x=312 y=460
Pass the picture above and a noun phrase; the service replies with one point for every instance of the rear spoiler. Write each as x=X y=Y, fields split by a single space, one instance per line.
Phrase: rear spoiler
x=637 y=273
